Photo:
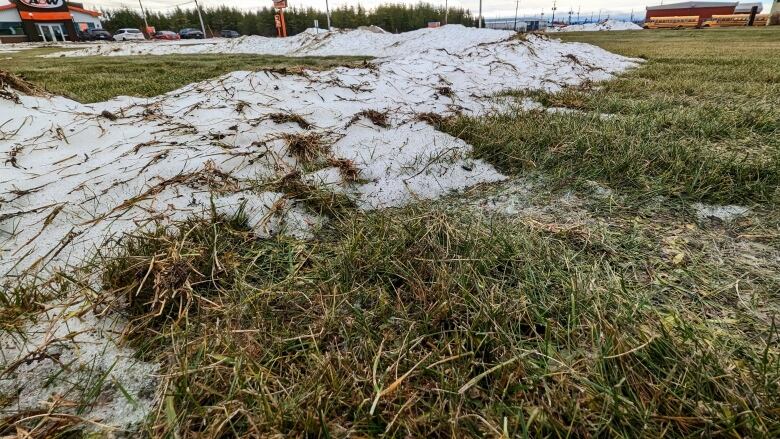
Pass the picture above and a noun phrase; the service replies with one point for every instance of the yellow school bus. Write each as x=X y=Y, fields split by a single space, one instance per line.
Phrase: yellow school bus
x=684 y=22
x=736 y=20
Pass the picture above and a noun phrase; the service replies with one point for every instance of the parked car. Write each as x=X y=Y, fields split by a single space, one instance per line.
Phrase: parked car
x=166 y=35
x=229 y=34
x=128 y=34
x=189 y=33
x=95 y=35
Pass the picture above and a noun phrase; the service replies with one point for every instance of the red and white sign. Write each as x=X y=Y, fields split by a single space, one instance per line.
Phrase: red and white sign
x=280 y=4
x=43 y=4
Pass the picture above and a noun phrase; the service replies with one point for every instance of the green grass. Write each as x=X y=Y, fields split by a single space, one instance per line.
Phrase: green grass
x=95 y=79
x=428 y=322
x=700 y=119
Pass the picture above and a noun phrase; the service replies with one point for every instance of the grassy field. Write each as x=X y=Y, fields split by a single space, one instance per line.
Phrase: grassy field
x=700 y=119
x=91 y=79
x=607 y=308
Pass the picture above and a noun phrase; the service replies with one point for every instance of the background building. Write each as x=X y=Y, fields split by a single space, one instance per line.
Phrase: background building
x=704 y=10
x=44 y=20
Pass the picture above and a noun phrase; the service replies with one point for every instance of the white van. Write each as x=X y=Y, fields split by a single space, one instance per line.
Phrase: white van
x=128 y=34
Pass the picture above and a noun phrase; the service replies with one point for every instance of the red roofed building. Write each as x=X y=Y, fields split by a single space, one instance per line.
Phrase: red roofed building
x=44 y=20
x=704 y=10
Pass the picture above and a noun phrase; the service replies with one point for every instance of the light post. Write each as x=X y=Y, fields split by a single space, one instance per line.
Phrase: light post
x=554 y=8
x=327 y=13
x=479 y=24
x=517 y=6
x=200 y=17
x=143 y=12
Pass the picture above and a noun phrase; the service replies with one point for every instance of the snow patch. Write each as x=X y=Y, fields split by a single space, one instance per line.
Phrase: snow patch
x=728 y=213
x=69 y=362
x=605 y=25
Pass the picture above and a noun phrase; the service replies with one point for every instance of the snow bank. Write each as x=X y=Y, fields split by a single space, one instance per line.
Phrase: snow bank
x=75 y=178
x=313 y=42
x=606 y=25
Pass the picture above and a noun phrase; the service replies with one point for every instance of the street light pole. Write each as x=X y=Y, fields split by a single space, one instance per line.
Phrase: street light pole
x=200 y=17
x=554 y=8
x=479 y=25
x=517 y=6
x=446 y=11
x=143 y=12
x=327 y=13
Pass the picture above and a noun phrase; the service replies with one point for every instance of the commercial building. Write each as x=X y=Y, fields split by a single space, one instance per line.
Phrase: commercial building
x=704 y=10
x=44 y=20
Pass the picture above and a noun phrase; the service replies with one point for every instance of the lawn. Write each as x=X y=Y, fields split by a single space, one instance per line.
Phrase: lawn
x=604 y=307
x=700 y=119
x=95 y=79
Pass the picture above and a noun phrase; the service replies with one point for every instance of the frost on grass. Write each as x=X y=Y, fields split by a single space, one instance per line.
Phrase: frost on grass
x=286 y=150
x=69 y=363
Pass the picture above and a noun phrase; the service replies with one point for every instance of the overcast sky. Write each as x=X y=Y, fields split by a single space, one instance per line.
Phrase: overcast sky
x=490 y=8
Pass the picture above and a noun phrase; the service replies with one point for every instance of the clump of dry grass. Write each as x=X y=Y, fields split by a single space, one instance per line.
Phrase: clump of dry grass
x=349 y=172
x=376 y=117
x=445 y=91
x=280 y=118
x=434 y=119
x=316 y=199
x=307 y=148
x=9 y=80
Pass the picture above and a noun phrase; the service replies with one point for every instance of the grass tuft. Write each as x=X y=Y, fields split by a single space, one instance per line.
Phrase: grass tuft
x=376 y=117
x=280 y=118
x=424 y=323
x=307 y=148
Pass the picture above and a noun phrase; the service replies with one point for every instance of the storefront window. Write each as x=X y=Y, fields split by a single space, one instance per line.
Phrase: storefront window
x=11 y=28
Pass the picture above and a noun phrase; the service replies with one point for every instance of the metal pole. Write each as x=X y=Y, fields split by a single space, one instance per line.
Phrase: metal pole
x=446 y=11
x=479 y=24
x=146 y=25
x=327 y=13
x=517 y=6
x=200 y=17
x=555 y=7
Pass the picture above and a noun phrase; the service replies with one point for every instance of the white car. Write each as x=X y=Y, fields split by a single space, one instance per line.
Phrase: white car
x=128 y=34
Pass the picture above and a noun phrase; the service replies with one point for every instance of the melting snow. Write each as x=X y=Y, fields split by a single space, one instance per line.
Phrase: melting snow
x=605 y=25
x=75 y=175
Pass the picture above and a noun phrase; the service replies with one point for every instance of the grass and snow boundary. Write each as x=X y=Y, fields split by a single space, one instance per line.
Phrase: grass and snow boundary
x=78 y=177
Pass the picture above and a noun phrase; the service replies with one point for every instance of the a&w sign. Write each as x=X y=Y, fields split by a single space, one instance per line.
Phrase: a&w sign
x=43 y=4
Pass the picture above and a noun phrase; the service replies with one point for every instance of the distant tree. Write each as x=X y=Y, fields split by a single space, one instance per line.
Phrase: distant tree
x=391 y=17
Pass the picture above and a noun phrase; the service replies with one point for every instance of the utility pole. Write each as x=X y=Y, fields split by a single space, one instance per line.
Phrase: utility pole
x=327 y=13
x=446 y=11
x=143 y=12
x=200 y=17
x=479 y=25
x=517 y=6
x=554 y=8
x=578 y=14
